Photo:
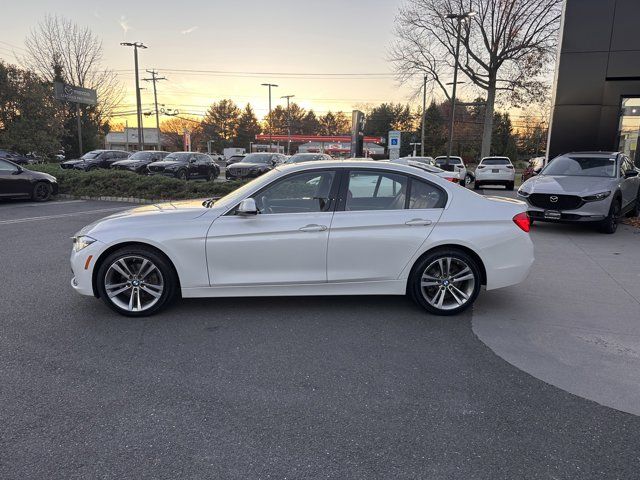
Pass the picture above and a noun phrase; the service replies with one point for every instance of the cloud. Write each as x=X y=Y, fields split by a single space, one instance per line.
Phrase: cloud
x=189 y=30
x=124 y=24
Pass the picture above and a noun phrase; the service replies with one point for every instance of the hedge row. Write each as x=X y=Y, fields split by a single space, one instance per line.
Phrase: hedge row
x=119 y=183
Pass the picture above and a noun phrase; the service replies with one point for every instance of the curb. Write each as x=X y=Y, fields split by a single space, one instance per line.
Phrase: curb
x=144 y=201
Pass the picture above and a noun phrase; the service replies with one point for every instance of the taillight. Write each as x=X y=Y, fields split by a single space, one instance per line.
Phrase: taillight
x=480 y=166
x=522 y=221
x=453 y=179
x=510 y=167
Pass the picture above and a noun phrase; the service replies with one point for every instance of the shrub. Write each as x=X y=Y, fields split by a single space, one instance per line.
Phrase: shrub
x=121 y=183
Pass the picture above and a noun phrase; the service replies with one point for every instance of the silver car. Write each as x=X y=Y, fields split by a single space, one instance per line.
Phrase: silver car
x=596 y=187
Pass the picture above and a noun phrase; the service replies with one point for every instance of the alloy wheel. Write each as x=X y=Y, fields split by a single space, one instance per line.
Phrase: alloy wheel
x=134 y=283
x=447 y=283
x=41 y=192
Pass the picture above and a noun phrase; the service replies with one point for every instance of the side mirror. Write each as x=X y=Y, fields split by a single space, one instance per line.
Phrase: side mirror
x=247 y=207
x=192 y=160
x=630 y=173
x=18 y=171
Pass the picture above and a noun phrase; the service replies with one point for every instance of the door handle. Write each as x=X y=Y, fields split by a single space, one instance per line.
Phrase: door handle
x=313 y=228
x=418 y=222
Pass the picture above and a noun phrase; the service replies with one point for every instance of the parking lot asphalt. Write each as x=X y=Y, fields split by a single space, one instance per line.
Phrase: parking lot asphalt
x=327 y=387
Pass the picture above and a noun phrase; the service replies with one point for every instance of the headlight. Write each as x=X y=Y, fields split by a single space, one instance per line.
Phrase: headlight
x=597 y=197
x=82 y=241
x=523 y=194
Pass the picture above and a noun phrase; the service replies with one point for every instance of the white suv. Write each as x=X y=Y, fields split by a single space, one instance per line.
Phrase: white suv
x=455 y=164
x=495 y=171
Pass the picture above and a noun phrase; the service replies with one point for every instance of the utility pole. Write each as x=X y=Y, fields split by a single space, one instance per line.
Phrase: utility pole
x=424 y=114
x=270 y=85
x=288 y=97
x=136 y=46
x=154 y=78
x=459 y=18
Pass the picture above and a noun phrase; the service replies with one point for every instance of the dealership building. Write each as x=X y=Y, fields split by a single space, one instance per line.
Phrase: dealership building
x=597 y=96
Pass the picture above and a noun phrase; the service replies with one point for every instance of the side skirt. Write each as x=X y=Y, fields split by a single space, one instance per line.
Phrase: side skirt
x=391 y=287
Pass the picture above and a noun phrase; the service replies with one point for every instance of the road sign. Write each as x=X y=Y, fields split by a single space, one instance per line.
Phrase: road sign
x=70 y=93
x=394 y=140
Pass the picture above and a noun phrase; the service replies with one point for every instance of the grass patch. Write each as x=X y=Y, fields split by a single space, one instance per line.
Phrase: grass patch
x=119 y=183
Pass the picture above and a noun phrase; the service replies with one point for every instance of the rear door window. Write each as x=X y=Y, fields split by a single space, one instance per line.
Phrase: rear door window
x=376 y=191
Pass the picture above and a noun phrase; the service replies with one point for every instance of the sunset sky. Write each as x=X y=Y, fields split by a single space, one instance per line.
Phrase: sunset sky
x=311 y=49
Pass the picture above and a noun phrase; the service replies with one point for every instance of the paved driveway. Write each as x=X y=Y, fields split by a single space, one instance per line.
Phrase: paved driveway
x=366 y=387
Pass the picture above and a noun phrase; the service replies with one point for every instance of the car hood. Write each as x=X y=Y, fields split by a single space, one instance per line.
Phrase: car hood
x=247 y=165
x=75 y=161
x=570 y=185
x=40 y=175
x=168 y=163
x=160 y=212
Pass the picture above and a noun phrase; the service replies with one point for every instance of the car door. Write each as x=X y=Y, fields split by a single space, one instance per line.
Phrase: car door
x=285 y=243
x=379 y=224
x=13 y=183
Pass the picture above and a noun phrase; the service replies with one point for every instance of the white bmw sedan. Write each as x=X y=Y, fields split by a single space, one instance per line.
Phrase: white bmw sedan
x=314 y=228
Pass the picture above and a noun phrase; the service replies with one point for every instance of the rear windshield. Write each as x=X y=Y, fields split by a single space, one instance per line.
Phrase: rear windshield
x=452 y=161
x=496 y=161
x=576 y=166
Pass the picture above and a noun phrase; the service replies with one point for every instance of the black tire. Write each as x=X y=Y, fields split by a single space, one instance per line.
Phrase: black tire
x=419 y=294
x=91 y=169
x=610 y=224
x=510 y=186
x=167 y=278
x=41 y=192
x=635 y=211
x=476 y=185
x=468 y=179
x=182 y=175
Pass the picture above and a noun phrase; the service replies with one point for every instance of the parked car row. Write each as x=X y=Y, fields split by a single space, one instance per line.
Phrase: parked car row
x=182 y=165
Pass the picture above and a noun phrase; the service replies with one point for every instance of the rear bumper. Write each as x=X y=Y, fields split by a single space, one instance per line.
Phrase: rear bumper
x=499 y=178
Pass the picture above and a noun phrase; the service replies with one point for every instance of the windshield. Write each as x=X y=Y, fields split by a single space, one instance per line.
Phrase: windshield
x=257 y=158
x=142 y=156
x=582 y=167
x=495 y=161
x=234 y=196
x=178 y=156
x=90 y=155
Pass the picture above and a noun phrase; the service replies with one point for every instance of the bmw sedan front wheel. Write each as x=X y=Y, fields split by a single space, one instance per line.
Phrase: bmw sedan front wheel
x=136 y=281
x=445 y=282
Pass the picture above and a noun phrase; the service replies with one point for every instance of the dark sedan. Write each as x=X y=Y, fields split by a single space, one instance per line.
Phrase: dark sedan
x=17 y=158
x=18 y=182
x=254 y=165
x=138 y=161
x=185 y=166
x=95 y=159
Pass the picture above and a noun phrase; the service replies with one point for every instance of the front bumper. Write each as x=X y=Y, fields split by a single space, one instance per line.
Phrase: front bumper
x=82 y=265
x=588 y=212
x=230 y=176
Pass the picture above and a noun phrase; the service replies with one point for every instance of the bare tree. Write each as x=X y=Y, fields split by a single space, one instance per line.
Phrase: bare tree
x=57 y=47
x=506 y=48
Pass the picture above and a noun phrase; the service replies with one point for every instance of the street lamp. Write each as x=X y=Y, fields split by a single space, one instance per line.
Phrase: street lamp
x=288 y=97
x=270 y=85
x=136 y=46
x=459 y=17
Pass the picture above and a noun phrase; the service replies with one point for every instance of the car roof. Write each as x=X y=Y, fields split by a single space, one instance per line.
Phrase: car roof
x=351 y=163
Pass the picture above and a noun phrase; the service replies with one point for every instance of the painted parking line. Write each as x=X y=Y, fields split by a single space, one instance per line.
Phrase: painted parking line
x=61 y=215
x=46 y=204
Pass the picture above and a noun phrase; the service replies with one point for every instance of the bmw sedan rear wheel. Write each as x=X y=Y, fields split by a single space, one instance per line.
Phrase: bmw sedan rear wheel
x=136 y=281
x=445 y=282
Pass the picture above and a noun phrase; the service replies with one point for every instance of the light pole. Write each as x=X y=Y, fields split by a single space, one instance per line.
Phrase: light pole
x=459 y=18
x=270 y=85
x=154 y=78
x=136 y=46
x=424 y=114
x=288 y=97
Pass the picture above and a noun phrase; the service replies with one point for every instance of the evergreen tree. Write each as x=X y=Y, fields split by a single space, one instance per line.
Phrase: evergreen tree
x=248 y=128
